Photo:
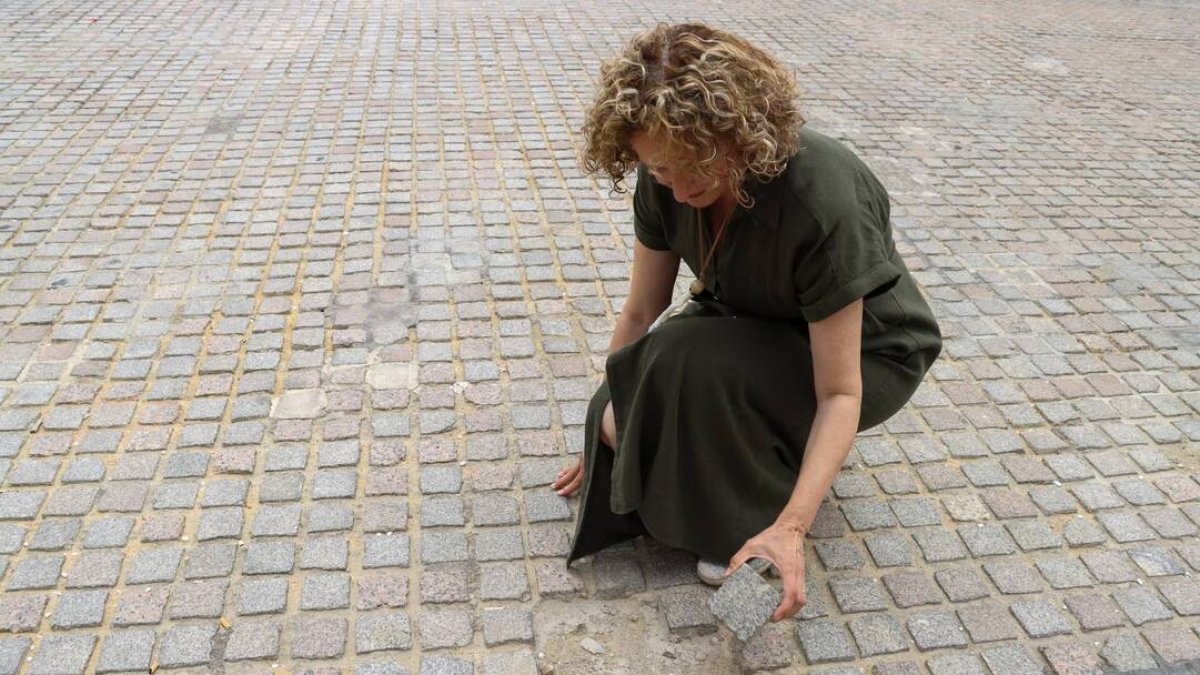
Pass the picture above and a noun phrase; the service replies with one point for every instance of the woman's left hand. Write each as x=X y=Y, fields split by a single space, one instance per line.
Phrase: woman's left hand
x=783 y=546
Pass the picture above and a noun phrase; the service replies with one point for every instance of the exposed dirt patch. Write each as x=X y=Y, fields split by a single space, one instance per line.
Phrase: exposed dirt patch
x=634 y=638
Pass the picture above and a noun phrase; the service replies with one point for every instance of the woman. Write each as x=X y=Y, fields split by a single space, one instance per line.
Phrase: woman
x=721 y=430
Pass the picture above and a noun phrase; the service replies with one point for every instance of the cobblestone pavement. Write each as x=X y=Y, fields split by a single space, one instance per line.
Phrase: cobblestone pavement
x=301 y=304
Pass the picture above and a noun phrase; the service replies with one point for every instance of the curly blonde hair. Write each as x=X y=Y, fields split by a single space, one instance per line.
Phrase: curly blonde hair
x=708 y=94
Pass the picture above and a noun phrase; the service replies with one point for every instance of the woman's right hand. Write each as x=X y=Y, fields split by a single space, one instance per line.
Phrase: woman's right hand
x=569 y=479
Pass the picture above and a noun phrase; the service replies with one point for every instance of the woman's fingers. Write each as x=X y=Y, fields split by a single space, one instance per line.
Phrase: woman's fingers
x=571 y=487
x=569 y=480
x=793 y=593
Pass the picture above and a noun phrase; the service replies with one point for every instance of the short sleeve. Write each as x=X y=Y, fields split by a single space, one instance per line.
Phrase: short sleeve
x=850 y=261
x=647 y=217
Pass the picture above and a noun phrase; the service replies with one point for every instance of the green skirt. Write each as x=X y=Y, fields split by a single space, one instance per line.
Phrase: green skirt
x=713 y=412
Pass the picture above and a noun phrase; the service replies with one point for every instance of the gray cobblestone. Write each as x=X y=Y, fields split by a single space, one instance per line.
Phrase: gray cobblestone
x=383 y=632
x=58 y=654
x=392 y=550
x=186 y=645
x=936 y=630
x=825 y=641
x=446 y=628
x=263 y=596
x=210 y=560
x=35 y=572
x=316 y=638
x=126 y=650
x=253 y=640
x=198 y=599
x=79 y=609
x=878 y=634
x=505 y=625
x=325 y=553
x=325 y=591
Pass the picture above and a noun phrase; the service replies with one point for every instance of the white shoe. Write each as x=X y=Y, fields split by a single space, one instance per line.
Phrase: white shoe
x=713 y=573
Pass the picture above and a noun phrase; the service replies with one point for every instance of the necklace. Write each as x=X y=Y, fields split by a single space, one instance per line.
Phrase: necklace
x=697 y=286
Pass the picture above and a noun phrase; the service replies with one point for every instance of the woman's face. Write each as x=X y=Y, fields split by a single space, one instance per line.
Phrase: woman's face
x=687 y=186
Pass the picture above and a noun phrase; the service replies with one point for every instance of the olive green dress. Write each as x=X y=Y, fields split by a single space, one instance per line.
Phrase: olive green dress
x=713 y=408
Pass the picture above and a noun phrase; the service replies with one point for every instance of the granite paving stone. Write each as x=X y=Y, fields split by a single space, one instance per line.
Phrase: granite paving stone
x=825 y=641
x=878 y=634
x=253 y=640
x=319 y=638
x=186 y=645
x=446 y=628
x=936 y=630
x=57 y=654
x=1141 y=605
x=383 y=632
x=1040 y=618
x=988 y=622
x=126 y=650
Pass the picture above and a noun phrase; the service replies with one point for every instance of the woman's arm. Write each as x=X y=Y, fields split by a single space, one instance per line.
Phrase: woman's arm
x=650 y=286
x=837 y=374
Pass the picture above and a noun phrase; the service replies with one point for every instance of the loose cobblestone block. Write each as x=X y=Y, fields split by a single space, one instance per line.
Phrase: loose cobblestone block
x=744 y=602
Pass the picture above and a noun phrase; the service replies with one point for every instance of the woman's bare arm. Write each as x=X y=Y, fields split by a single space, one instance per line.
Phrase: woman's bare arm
x=650 y=285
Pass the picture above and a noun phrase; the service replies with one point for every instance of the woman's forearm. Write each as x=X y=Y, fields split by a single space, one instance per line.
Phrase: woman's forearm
x=628 y=329
x=829 y=441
